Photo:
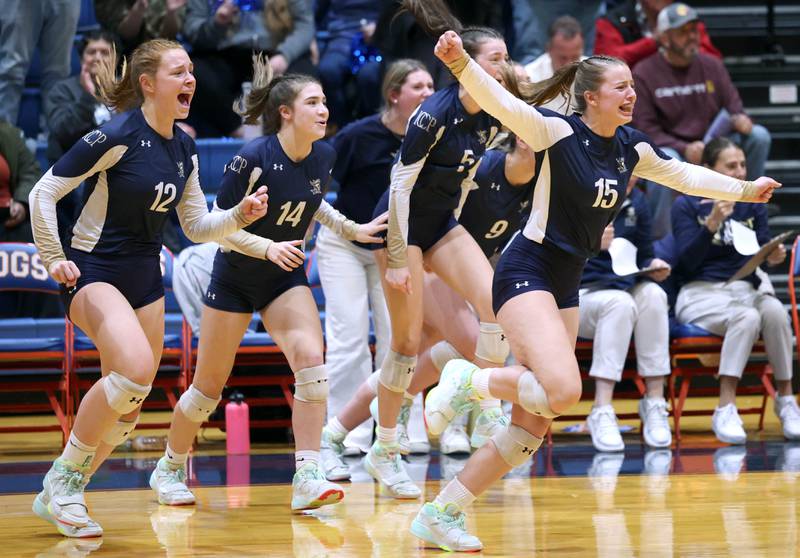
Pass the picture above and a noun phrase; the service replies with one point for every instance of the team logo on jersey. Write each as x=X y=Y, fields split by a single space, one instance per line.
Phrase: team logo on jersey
x=586 y=142
x=457 y=121
x=237 y=164
x=277 y=166
x=146 y=143
x=483 y=136
x=424 y=121
x=521 y=284
x=621 y=164
x=180 y=168
x=495 y=186
x=212 y=296
x=523 y=204
x=94 y=137
x=316 y=186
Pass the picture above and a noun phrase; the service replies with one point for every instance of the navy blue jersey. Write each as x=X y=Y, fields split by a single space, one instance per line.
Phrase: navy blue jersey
x=143 y=177
x=703 y=256
x=493 y=212
x=581 y=177
x=295 y=190
x=450 y=142
x=633 y=223
x=365 y=150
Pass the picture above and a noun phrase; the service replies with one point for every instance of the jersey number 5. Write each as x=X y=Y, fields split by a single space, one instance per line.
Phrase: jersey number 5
x=291 y=215
x=467 y=160
x=606 y=195
x=165 y=193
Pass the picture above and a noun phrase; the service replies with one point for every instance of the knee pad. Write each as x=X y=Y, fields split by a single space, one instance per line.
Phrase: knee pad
x=443 y=352
x=492 y=344
x=195 y=406
x=533 y=397
x=122 y=394
x=372 y=381
x=515 y=444
x=397 y=372
x=311 y=384
x=120 y=432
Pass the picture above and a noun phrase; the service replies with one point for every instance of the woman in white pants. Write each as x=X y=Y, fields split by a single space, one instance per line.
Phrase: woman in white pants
x=349 y=274
x=738 y=311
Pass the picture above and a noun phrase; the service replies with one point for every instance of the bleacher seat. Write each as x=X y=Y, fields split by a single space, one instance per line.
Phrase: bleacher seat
x=34 y=354
x=87 y=20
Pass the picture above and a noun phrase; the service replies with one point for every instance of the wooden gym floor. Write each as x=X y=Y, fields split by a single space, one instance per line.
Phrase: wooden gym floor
x=699 y=499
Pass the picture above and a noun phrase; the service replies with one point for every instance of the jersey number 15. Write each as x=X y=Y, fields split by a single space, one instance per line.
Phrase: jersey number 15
x=606 y=195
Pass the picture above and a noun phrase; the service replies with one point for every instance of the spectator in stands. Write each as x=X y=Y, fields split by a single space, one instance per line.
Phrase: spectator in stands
x=137 y=21
x=613 y=307
x=680 y=93
x=349 y=24
x=532 y=19
x=705 y=232
x=25 y=25
x=564 y=46
x=73 y=109
x=224 y=34
x=19 y=171
x=628 y=31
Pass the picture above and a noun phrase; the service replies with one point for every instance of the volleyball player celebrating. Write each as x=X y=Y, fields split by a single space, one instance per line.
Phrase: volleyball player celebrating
x=584 y=162
x=263 y=272
x=137 y=167
x=444 y=141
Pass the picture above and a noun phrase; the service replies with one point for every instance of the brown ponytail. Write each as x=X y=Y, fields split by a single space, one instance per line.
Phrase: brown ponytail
x=125 y=92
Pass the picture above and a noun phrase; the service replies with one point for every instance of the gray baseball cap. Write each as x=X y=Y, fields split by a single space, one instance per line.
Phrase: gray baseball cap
x=674 y=16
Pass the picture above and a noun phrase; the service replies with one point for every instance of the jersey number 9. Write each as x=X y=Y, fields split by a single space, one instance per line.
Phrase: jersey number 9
x=497 y=229
x=165 y=193
x=606 y=195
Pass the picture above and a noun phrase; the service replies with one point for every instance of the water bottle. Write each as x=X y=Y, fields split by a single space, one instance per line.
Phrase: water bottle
x=237 y=425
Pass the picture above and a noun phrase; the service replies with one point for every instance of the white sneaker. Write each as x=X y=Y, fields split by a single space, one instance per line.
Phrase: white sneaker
x=655 y=426
x=727 y=425
x=444 y=528
x=311 y=490
x=787 y=410
x=452 y=397
x=170 y=485
x=454 y=440
x=61 y=501
x=602 y=424
x=488 y=422
x=331 y=452
x=386 y=467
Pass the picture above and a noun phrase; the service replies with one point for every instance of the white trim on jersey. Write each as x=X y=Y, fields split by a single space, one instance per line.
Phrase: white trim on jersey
x=536 y=226
x=89 y=226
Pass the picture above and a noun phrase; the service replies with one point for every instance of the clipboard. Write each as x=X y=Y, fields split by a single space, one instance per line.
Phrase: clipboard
x=760 y=257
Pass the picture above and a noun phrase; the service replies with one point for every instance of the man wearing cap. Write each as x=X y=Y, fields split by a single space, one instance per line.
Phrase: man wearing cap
x=628 y=31
x=680 y=93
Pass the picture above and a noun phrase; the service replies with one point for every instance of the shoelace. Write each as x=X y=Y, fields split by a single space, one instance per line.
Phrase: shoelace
x=659 y=410
x=606 y=421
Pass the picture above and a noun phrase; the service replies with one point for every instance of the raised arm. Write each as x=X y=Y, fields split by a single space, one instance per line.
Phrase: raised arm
x=537 y=130
x=699 y=181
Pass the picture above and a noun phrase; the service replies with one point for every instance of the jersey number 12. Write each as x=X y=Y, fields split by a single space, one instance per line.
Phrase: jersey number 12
x=606 y=195
x=165 y=193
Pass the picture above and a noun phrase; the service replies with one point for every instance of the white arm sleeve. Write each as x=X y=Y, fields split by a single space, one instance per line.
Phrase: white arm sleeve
x=245 y=242
x=196 y=221
x=42 y=202
x=690 y=179
x=537 y=130
x=335 y=221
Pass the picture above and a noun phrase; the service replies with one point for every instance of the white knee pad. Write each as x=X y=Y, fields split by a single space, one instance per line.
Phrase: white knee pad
x=492 y=344
x=372 y=381
x=397 y=372
x=515 y=444
x=533 y=397
x=311 y=384
x=443 y=352
x=195 y=406
x=122 y=394
x=120 y=432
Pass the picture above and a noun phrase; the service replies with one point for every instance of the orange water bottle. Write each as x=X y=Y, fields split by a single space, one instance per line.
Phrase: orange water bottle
x=237 y=425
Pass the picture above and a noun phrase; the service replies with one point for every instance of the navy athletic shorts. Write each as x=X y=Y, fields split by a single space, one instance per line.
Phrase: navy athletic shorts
x=138 y=278
x=526 y=266
x=424 y=228
x=248 y=287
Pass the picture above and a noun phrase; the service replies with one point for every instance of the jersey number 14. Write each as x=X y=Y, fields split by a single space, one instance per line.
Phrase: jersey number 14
x=606 y=195
x=290 y=215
